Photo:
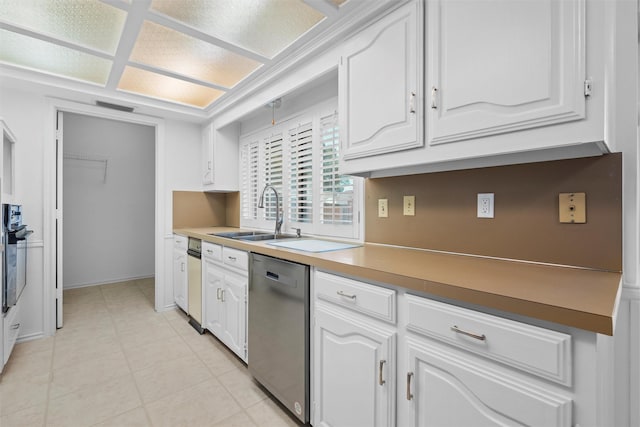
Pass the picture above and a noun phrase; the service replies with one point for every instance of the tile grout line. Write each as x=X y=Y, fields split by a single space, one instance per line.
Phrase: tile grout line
x=133 y=378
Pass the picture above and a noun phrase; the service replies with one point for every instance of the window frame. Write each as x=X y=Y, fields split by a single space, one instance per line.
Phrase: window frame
x=312 y=115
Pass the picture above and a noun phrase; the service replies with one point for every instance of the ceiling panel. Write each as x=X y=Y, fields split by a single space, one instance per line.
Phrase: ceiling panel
x=265 y=27
x=48 y=57
x=165 y=48
x=163 y=87
x=186 y=52
x=88 y=23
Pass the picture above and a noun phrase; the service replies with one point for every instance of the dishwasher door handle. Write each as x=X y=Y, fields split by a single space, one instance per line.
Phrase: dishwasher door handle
x=272 y=276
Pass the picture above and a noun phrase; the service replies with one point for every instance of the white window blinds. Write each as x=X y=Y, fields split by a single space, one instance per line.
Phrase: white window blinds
x=300 y=159
x=273 y=173
x=300 y=162
x=249 y=157
x=337 y=191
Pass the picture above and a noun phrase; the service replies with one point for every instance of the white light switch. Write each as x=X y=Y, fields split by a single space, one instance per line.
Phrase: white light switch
x=383 y=208
x=409 y=205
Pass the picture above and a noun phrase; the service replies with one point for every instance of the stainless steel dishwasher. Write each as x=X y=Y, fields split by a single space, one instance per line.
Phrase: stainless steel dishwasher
x=278 y=336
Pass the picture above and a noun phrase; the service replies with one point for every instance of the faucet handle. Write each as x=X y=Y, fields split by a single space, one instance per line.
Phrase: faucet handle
x=297 y=231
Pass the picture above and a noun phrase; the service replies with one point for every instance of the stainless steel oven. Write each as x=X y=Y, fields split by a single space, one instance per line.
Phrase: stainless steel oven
x=14 y=261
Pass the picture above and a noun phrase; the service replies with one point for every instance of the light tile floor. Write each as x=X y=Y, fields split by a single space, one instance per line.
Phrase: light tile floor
x=118 y=363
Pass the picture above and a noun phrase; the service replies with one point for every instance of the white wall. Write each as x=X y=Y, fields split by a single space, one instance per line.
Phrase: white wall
x=27 y=115
x=108 y=208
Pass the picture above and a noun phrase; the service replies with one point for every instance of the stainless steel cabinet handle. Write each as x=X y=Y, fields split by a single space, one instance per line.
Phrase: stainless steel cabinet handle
x=182 y=266
x=412 y=98
x=222 y=295
x=342 y=294
x=381 y=380
x=209 y=165
x=457 y=330
x=409 y=394
x=434 y=96
x=16 y=326
x=209 y=251
x=218 y=294
x=231 y=258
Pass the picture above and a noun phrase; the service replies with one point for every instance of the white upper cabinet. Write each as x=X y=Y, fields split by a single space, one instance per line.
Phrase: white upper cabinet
x=380 y=86
x=220 y=147
x=504 y=82
x=7 y=163
x=503 y=66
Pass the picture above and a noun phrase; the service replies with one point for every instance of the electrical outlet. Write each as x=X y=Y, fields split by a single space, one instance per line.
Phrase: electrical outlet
x=409 y=205
x=383 y=208
x=485 y=205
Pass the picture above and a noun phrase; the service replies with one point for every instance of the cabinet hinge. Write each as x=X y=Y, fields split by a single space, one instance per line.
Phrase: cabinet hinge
x=587 y=87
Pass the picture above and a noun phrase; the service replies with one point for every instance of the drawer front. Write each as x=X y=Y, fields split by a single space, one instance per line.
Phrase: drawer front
x=536 y=350
x=180 y=242
x=358 y=296
x=236 y=258
x=211 y=251
x=11 y=330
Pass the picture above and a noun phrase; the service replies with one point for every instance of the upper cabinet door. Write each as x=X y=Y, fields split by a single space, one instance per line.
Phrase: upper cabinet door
x=501 y=65
x=207 y=155
x=380 y=86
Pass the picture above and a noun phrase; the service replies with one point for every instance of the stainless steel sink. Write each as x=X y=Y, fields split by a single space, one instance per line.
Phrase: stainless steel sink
x=270 y=236
x=238 y=234
x=253 y=236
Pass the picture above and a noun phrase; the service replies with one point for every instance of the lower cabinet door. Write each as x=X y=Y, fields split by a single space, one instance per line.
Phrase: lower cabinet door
x=354 y=372
x=445 y=388
x=213 y=305
x=235 y=313
x=180 y=278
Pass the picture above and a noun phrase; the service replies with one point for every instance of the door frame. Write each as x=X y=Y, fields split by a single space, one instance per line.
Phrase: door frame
x=52 y=174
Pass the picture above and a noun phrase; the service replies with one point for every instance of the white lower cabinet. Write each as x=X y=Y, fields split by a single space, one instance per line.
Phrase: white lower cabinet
x=442 y=365
x=11 y=329
x=448 y=388
x=213 y=282
x=180 y=283
x=234 y=307
x=354 y=371
x=354 y=353
x=225 y=296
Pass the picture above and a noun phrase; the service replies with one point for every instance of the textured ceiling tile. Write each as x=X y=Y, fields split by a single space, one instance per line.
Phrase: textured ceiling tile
x=170 y=50
x=163 y=87
x=89 y=23
x=43 y=56
x=262 y=26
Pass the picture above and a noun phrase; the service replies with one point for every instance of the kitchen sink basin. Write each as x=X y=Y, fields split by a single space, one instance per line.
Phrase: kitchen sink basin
x=253 y=236
x=239 y=234
x=270 y=236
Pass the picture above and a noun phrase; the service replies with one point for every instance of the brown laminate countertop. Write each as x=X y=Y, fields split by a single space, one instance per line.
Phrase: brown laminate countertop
x=585 y=299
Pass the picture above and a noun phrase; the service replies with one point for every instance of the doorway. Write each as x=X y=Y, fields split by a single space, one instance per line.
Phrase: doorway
x=54 y=226
x=108 y=203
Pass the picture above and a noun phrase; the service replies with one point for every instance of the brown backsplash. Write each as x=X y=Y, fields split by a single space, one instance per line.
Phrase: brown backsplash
x=525 y=225
x=200 y=209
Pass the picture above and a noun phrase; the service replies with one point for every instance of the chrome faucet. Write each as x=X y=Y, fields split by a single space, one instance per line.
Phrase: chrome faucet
x=278 y=216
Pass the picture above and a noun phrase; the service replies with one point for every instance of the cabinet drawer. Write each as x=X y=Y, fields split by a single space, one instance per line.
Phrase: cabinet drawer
x=369 y=299
x=11 y=330
x=536 y=350
x=180 y=242
x=235 y=258
x=211 y=251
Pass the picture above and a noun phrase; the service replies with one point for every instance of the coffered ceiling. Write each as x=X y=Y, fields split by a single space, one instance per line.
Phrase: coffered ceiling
x=189 y=53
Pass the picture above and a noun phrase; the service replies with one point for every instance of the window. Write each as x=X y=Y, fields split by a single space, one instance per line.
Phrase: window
x=301 y=173
x=299 y=158
x=336 y=194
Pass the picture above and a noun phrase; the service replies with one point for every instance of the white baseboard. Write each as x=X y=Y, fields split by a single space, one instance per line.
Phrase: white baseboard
x=106 y=282
x=30 y=337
